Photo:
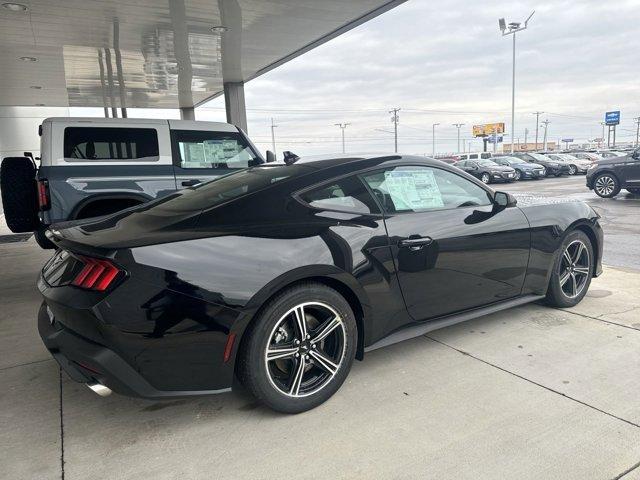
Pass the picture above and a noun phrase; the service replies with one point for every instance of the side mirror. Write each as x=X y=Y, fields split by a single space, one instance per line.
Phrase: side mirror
x=271 y=157
x=504 y=200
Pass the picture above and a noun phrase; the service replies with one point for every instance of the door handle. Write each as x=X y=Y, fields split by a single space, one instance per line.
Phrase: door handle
x=415 y=242
x=190 y=183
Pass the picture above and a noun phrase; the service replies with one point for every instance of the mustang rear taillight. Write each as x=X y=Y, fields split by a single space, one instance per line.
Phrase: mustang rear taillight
x=96 y=274
x=43 y=195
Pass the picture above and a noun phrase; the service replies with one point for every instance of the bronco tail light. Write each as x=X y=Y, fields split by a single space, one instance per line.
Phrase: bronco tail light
x=43 y=195
x=96 y=274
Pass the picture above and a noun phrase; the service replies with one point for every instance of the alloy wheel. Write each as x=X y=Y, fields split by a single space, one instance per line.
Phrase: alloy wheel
x=518 y=174
x=574 y=269
x=305 y=350
x=572 y=169
x=605 y=185
x=485 y=178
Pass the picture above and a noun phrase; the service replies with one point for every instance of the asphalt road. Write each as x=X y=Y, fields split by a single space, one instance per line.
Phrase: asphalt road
x=620 y=215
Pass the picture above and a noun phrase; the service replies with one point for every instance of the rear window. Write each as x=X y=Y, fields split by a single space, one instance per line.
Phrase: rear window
x=105 y=143
x=229 y=187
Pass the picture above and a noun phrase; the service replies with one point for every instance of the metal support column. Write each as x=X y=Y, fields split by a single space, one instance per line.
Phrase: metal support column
x=235 y=105
x=187 y=113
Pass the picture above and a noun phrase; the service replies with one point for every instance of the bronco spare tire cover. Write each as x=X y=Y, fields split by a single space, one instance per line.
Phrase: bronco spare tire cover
x=19 y=198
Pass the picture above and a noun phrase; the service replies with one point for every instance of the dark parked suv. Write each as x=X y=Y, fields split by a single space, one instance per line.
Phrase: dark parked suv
x=551 y=166
x=607 y=177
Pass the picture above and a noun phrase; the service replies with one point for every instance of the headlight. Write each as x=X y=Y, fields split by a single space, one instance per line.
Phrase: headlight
x=592 y=166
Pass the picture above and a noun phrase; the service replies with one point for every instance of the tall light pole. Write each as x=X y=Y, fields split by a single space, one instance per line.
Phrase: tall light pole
x=342 y=127
x=433 y=138
x=526 y=133
x=512 y=29
x=395 y=119
x=602 y=137
x=637 y=120
x=545 y=124
x=458 y=125
x=537 y=114
x=273 y=136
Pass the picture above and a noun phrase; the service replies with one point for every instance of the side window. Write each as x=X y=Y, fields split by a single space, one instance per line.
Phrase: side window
x=418 y=188
x=485 y=155
x=204 y=149
x=473 y=156
x=347 y=195
x=108 y=143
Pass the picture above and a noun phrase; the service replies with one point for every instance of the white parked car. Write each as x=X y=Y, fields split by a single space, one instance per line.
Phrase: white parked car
x=576 y=165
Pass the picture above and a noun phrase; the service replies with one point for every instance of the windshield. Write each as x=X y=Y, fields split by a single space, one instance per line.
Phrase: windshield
x=538 y=156
x=487 y=163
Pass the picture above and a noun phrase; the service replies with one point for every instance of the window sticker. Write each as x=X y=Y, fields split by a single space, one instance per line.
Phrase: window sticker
x=413 y=189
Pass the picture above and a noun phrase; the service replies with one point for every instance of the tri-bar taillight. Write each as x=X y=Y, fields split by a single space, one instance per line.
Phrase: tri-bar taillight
x=96 y=274
x=44 y=202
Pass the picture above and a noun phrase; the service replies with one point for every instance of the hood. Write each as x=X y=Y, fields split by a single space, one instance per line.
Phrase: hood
x=615 y=160
x=500 y=168
x=529 y=166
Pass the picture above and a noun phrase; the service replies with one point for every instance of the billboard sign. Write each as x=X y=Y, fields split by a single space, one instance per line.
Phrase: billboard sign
x=488 y=129
x=612 y=118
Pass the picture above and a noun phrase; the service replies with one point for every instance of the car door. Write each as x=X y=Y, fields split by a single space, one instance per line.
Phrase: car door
x=453 y=248
x=631 y=170
x=200 y=155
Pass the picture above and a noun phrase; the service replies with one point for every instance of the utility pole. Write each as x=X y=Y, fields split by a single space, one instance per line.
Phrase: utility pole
x=637 y=119
x=526 y=132
x=537 y=114
x=512 y=29
x=342 y=127
x=273 y=136
x=603 y=125
x=458 y=125
x=544 y=142
x=395 y=119
x=433 y=139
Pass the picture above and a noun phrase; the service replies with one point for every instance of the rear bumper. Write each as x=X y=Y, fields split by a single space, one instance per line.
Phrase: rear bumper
x=86 y=361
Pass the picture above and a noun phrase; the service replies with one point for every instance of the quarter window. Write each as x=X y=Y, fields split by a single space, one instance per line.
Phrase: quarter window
x=417 y=188
x=108 y=143
x=346 y=195
x=204 y=149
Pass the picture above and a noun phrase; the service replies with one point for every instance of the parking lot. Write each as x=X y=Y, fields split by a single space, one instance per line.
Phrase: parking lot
x=531 y=392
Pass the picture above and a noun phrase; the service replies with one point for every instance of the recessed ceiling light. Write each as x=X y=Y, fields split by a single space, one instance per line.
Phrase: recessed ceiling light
x=219 y=29
x=28 y=59
x=36 y=87
x=15 y=7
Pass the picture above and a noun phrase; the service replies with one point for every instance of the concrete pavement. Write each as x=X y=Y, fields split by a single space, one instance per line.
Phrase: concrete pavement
x=531 y=392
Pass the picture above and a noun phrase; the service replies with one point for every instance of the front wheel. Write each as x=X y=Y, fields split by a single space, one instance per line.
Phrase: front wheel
x=518 y=174
x=606 y=185
x=485 y=178
x=573 y=169
x=572 y=271
x=300 y=349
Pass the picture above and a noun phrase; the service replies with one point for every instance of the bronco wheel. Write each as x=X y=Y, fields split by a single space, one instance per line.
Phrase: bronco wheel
x=606 y=185
x=572 y=273
x=485 y=178
x=300 y=350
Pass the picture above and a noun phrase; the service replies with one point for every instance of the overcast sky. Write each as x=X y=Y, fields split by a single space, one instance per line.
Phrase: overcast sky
x=446 y=62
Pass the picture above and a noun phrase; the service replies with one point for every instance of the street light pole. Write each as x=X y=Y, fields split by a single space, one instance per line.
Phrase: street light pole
x=544 y=141
x=512 y=29
x=458 y=125
x=433 y=138
x=273 y=136
x=637 y=119
x=342 y=127
x=537 y=114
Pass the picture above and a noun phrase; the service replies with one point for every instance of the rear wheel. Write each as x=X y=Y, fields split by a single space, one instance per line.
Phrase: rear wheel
x=606 y=185
x=573 y=170
x=300 y=349
x=485 y=178
x=518 y=174
x=572 y=272
x=19 y=199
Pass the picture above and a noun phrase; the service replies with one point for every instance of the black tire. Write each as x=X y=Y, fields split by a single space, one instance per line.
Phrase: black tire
x=558 y=174
x=19 y=194
x=42 y=240
x=518 y=174
x=606 y=185
x=259 y=376
x=559 y=294
x=485 y=178
x=634 y=191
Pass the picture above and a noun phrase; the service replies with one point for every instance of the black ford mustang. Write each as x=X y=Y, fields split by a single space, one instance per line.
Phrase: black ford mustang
x=282 y=274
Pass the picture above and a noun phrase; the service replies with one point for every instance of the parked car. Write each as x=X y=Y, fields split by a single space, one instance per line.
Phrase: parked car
x=96 y=166
x=591 y=156
x=575 y=164
x=283 y=274
x=475 y=156
x=524 y=170
x=607 y=177
x=611 y=153
x=487 y=171
x=551 y=166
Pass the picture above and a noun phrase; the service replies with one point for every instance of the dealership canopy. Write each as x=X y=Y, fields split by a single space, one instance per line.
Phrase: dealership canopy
x=154 y=53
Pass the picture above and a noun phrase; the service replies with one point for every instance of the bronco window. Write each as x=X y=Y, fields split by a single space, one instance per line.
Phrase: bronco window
x=108 y=143
x=205 y=149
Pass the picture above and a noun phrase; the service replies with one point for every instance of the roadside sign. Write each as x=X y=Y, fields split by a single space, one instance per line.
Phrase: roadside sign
x=491 y=137
x=612 y=118
x=488 y=129
x=567 y=140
